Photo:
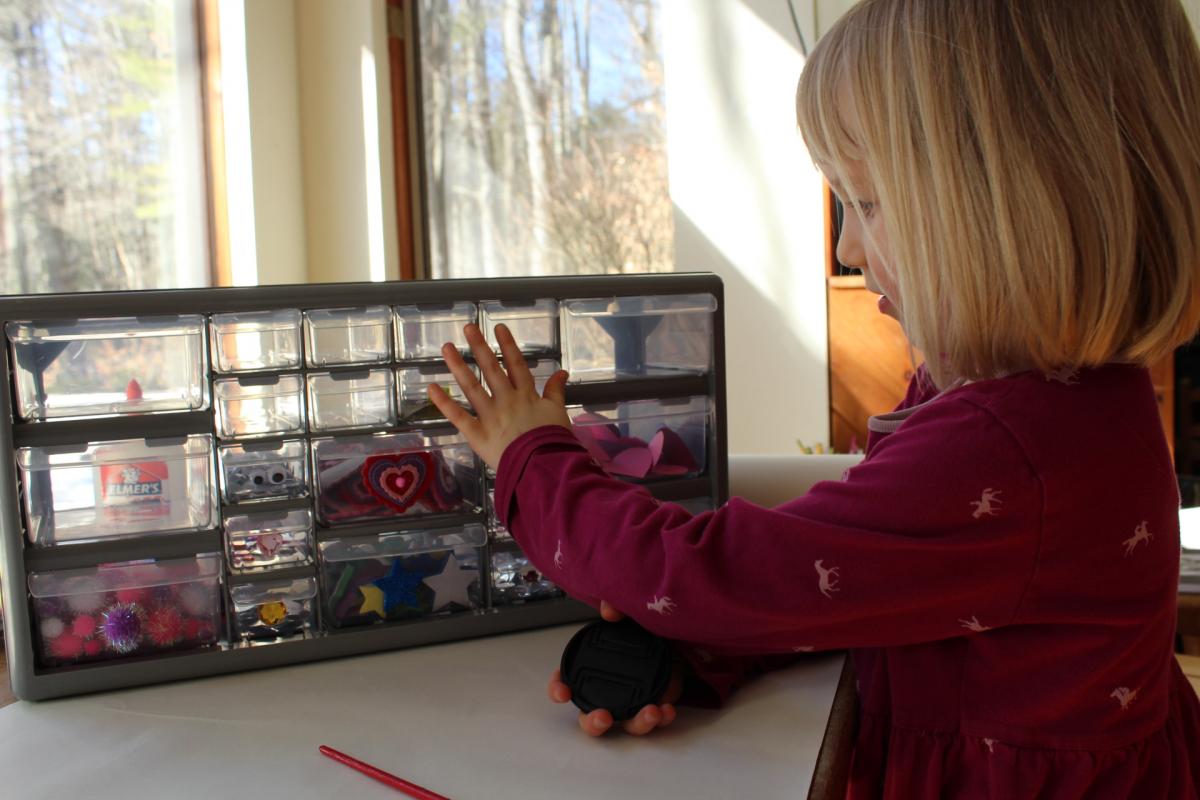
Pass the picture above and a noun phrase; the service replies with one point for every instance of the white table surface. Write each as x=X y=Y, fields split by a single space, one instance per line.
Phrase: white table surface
x=467 y=720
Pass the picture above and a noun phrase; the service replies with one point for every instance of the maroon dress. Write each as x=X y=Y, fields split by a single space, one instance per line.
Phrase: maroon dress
x=1003 y=564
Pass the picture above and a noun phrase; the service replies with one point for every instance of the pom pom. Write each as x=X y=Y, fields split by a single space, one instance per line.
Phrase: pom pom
x=131 y=595
x=165 y=627
x=66 y=647
x=86 y=603
x=196 y=600
x=133 y=391
x=92 y=647
x=52 y=627
x=191 y=628
x=84 y=626
x=122 y=626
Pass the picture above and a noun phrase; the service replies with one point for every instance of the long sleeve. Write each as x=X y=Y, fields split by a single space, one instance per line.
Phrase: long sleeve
x=935 y=535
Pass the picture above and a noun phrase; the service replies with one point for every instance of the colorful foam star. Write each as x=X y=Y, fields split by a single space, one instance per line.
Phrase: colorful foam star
x=451 y=584
x=398 y=586
x=372 y=600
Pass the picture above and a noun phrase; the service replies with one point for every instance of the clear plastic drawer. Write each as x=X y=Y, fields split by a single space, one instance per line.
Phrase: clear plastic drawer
x=533 y=324
x=415 y=406
x=118 y=488
x=516 y=580
x=348 y=336
x=405 y=575
x=394 y=475
x=613 y=338
x=496 y=528
x=256 y=340
x=339 y=401
x=646 y=439
x=103 y=367
x=264 y=471
x=267 y=539
x=421 y=330
x=268 y=405
x=128 y=609
x=268 y=610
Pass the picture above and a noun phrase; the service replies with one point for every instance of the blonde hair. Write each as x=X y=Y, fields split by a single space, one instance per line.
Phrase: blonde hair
x=1037 y=167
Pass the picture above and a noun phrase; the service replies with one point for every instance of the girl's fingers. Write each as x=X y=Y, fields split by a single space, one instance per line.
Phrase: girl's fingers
x=497 y=379
x=477 y=396
x=458 y=416
x=556 y=388
x=608 y=613
x=646 y=720
x=558 y=691
x=514 y=361
x=668 y=714
x=596 y=723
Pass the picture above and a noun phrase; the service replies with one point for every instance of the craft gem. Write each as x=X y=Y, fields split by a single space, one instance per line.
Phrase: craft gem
x=272 y=613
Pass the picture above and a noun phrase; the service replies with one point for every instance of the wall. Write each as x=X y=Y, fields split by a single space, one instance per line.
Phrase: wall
x=749 y=206
x=271 y=65
x=308 y=133
x=345 y=115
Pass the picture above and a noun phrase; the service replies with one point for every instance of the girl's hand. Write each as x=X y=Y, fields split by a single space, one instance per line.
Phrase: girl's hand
x=597 y=723
x=512 y=407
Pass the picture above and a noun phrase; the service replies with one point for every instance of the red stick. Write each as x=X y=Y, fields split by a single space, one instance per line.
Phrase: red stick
x=410 y=789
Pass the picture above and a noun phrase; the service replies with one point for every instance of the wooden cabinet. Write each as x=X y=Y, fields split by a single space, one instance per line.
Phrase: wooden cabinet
x=870 y=361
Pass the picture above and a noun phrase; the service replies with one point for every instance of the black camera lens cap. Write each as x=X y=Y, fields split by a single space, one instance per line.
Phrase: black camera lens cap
x=620 y=666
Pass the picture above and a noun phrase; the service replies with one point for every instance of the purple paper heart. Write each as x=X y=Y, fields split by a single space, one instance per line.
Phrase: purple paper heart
x=671 y=454
x=633 y=461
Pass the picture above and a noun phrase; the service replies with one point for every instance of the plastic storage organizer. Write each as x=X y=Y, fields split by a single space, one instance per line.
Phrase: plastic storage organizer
x=211 y=480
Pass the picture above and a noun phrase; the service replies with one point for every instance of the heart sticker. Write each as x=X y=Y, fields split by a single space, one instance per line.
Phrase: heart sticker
x=398 y=479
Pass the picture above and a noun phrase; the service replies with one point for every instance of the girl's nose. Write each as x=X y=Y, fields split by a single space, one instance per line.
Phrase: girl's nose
x=849 y=247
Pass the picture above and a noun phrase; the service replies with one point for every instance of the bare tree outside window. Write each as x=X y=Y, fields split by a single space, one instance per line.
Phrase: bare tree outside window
x=101 y=161
x=545 y=142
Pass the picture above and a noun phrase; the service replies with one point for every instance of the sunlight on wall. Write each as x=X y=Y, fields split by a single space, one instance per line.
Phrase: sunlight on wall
x=372 y=176
x=243 y=249
x=749 y=207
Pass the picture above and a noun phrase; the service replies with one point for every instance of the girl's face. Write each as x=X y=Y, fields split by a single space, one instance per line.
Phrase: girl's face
x=864 y=245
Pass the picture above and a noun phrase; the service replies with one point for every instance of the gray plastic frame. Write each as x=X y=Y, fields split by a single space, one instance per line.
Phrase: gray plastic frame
x=18 y=557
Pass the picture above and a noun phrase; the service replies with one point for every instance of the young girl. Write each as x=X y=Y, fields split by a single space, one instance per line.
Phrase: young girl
x=1023 y=178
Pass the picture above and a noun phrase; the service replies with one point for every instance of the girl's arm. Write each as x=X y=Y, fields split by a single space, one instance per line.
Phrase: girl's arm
x=935 y=535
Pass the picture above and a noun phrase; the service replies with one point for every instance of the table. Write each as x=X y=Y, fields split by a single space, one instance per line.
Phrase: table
x=468 y=719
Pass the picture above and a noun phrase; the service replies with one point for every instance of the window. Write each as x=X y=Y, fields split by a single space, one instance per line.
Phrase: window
x=102 y=182
x=543 y=124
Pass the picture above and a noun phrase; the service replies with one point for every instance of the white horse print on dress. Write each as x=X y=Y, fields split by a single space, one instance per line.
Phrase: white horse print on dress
x=973 y=624
x=558 y=556
x=1124 y=695
x=1066 y=376
x=1140 y=534
x=663 y=605
x=988 y=503
x=827 y=586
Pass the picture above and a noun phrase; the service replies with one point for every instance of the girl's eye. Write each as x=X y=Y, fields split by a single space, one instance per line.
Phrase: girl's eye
x=866 y=207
